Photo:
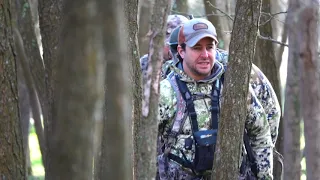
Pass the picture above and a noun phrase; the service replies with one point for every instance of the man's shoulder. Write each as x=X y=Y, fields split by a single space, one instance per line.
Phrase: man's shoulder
x=165 y=85
x=222 y=56
x=258 y=78
x=167 y=93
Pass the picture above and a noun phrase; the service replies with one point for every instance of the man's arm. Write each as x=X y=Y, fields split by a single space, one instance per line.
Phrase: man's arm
x=167 y=104
x=260 y=138
x=268 y=99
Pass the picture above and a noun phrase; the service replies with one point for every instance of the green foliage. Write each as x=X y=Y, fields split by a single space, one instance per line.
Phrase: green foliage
x=35 y=156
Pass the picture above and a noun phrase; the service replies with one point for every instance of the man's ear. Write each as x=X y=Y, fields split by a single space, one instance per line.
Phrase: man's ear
x=181 y=51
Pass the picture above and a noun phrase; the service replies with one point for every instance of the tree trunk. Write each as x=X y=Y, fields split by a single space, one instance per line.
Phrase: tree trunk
x=79 y=91
x=180 y=7
x=24 y=113
x=292 y=115
x=147 y=138
x=279 y=28
x=219 y=20
x=144 y=14
x=50 y=16
x=12 y=158
x=35 y=22
x=233 y=113
x=116 y=145
x=131 y=13
x=307 y=13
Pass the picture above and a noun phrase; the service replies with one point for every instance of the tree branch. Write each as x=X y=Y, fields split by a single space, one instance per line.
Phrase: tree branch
x=272 y=16
x=272 y=40
x=226 y=14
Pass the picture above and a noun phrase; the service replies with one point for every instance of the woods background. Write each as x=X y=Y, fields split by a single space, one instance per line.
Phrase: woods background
x=70 y=74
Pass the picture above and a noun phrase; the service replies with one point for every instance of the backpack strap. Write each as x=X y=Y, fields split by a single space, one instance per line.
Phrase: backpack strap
x=215 y=103
x=187 y=97
x=180 y=115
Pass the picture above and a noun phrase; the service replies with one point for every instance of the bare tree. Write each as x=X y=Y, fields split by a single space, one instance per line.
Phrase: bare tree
x=292 y=115
x=213 y=10
x=233 y=113
x=79 y=91
x=220 y=13
x=43 y=73
x=306 y=14
x=144 y=14
x=12 y=157
x=180 y=6
x=116 y=145
x=277 y=17
x=147 y=138
x=131 y=13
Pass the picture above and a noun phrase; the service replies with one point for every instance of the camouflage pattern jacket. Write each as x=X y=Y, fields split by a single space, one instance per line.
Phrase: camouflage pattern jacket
x=262 y=107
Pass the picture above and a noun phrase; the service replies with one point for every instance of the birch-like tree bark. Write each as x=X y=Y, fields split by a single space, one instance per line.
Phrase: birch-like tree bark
x=148 y=129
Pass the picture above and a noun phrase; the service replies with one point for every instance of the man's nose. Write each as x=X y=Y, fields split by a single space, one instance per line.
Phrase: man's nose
x=205 y=53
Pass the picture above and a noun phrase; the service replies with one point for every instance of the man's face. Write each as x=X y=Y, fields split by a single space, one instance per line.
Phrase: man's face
x=198 y=60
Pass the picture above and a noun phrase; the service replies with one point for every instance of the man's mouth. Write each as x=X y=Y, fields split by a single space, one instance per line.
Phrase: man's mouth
x=203 y=63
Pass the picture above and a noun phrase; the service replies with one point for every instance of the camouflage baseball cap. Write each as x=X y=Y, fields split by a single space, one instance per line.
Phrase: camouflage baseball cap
x=196 y=29
x=174 y=21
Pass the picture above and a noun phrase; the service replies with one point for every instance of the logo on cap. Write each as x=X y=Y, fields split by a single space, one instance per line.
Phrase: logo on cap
x=200 y=26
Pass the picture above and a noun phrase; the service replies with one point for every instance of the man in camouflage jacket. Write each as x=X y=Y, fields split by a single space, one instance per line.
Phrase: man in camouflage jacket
x=199 y=69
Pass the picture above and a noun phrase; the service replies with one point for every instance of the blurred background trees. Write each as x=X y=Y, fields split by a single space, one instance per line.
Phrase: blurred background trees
x=74 y=82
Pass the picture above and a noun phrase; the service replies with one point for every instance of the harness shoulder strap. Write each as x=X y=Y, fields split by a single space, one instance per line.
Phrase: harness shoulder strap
x=187 y=97
x=180 y=115
x=215 y=103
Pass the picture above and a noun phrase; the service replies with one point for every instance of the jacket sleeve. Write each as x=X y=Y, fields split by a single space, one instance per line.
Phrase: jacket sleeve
x=260 y=138
x=268 y=99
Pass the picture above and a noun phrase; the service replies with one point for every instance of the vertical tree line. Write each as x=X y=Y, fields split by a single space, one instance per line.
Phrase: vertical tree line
x=94 y=114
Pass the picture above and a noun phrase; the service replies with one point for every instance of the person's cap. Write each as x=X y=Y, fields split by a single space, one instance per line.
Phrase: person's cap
x=196 y=29
x=173 y=21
